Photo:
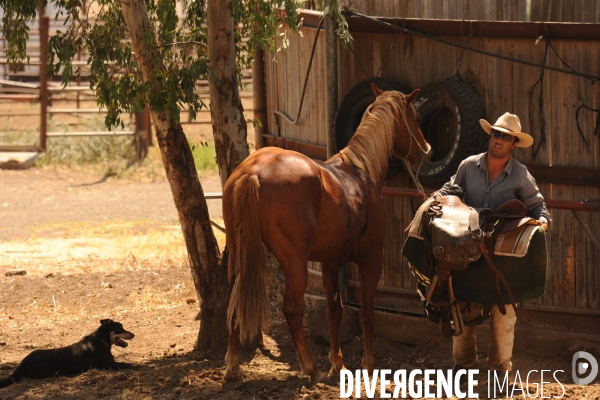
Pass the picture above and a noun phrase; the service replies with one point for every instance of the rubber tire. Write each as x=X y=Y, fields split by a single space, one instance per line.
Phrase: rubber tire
x=450 y=111
x=353 y=106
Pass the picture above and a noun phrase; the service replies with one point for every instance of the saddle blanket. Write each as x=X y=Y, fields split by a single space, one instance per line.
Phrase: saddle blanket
x=526 y=275
x=515 y=243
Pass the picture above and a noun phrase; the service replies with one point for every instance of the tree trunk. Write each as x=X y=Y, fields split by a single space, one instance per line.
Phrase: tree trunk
x=226 y=112
x=210 y=278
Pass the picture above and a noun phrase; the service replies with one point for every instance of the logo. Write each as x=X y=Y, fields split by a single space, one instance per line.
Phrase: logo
x=584 y=363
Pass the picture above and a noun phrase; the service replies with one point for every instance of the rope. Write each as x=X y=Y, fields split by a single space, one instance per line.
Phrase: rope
x=386 y=57
x=288 y=119
x=596 y=128
x=460 y=58
x=541 y=117
x=358 y=61
x=426 y=152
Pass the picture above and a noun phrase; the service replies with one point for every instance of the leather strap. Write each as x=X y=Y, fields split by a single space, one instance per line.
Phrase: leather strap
x=496 y=276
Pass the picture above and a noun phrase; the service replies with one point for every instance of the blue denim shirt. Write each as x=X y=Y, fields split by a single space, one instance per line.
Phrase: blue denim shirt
x=515 y=182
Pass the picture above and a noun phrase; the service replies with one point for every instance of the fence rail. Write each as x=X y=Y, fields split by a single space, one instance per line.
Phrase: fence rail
x=29 y=84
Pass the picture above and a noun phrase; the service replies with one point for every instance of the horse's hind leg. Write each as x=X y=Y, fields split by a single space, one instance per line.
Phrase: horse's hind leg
x=296 y=280
x=370 y=272
x=335 y=312
x=232 y=359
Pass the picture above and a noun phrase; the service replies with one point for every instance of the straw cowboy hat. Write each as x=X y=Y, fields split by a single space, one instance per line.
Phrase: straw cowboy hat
x=508 y=123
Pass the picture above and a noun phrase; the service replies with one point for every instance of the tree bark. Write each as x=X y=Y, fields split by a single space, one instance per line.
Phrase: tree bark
x=226 y=111
x=210 y=277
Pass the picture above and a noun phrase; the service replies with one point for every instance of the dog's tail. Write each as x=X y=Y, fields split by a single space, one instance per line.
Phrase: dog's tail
x=248 y=304
x=16 y=376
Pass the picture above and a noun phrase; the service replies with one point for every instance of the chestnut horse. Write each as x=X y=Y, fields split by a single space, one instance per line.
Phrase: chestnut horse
x=304 y=210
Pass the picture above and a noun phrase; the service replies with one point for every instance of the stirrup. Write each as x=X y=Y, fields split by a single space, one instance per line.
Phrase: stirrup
x=435 y=295
x=457 y=323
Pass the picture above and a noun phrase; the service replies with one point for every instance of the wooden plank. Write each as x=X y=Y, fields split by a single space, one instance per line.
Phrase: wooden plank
x=593 y=253
x=495 y=81
x=581 y=56
x=293 y=88
x=537 y=10
x=562 y=238
x=576 y=251
x=477 y=75
x=322 y=111
x=388 y=255
x=378 y=46
x=400 y=265
x=410 y=9
x=307 y=126
x=401 y=211
x=535 y=338
x=592 y=261
x=522 y=82
x=270 y=83
x=444 y=10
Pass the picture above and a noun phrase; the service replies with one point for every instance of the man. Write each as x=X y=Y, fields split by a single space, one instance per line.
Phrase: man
x=487 y=181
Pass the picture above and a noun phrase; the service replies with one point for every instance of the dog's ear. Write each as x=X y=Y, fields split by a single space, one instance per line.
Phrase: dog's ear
x=105 y=322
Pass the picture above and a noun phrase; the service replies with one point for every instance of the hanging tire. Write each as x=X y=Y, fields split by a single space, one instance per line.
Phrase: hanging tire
x=353 y=106
x=450 y=111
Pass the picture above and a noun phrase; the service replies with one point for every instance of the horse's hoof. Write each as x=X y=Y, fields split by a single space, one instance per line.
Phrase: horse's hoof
x=316 y=377
x=234 y=374
x=335 y=372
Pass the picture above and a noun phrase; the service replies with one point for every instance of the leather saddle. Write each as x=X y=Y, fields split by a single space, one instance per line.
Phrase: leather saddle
x=458 y=235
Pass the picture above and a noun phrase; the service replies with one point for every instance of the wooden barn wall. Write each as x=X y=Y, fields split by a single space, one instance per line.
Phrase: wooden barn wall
x=284 y=74
x=500 y=10
x=573 y=274
x=565 y=10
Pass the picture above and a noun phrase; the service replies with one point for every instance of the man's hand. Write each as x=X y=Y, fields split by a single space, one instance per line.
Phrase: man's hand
x=543 y=224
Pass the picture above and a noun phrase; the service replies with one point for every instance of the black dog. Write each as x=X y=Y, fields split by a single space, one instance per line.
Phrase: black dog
x=93 y=351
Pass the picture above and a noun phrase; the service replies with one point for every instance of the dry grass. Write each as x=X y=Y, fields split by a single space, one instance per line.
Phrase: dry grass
x=91 y=260
x=113 y=246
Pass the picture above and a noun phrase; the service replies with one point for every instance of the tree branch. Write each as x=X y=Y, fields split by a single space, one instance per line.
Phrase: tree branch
x=180 y=43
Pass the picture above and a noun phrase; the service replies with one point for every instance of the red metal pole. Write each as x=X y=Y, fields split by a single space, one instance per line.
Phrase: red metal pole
x=391 y=191
x=592 y=206
x=44 y=32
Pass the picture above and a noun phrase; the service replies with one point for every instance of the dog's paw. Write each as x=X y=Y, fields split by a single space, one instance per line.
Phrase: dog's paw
x=122 y=365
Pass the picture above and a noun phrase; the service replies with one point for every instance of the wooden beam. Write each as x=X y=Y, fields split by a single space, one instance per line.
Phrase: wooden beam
x=565 y=175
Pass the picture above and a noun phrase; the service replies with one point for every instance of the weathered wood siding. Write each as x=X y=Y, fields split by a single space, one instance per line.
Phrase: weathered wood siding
x=284 y=75
x=573 y=275
x=501 y=10
x=565 y=10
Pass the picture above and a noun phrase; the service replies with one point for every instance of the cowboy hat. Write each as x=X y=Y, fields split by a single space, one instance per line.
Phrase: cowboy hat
x=508 y=123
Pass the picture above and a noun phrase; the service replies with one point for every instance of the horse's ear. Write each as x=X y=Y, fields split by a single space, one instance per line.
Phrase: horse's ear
x=376 y=90
x=412 y=96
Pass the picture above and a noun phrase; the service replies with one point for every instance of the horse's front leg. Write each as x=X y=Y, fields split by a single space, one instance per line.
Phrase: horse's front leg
x=370 y=272
x=335 y=312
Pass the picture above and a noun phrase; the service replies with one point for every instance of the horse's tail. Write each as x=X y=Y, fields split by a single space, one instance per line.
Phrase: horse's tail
x=248 y=305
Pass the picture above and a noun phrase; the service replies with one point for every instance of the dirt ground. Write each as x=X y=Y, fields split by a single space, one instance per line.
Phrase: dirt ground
x=96 y=248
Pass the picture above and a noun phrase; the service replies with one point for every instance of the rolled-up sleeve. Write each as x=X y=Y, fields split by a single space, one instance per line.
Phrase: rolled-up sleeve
x=533 y=199
x=458 y=179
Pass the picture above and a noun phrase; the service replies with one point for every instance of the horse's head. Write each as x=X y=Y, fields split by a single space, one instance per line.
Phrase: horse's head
x=409 y=142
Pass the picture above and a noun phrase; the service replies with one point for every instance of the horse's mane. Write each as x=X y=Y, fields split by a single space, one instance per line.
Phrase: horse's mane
x=371 y=146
